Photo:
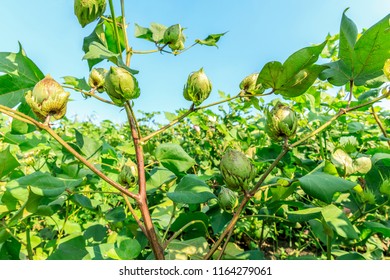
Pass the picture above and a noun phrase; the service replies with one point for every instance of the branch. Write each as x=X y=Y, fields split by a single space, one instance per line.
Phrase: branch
x=22 y=117
x=90 y=93
x=194 y=109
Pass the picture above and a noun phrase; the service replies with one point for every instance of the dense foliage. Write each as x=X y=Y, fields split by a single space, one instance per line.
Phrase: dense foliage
x=320 y=192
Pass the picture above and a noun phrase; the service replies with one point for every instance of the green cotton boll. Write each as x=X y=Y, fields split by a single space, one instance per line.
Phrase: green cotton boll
x=121 y=85
x=129 y=174
x=227 y=199
x=197 y=88
x=281 y=122
x=172 y=34
x=237 y=170
x=88 y=11
x=174 y=37
x=249 y=84
x=96 y=79
x=48 y=98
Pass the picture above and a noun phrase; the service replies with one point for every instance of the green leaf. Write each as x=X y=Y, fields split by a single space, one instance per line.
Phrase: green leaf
x=337 y=74
x=270 y=74
x=173 y=157
x=97 y=36
x=79 y=83
x=305 y=214
x=362 y=61
x=20 y=127
x=350 y=256
x=295 y=75
x=339 y=222
x=82 y=201
x=182 y=250
x=111 y=38
x=10 y=250
x=143 y=33
x=95 y=233
x=371 y=51
x=323 y=186
x=97 y=51
x=88 y=146
x=348 y=36
x=219 y=219
x=70 y=248
x=158 y=31
x=157 y=177
x=191 y=190
x=21 y=75
x=128 y=249
x=116 y=214
x=300 y=60
x=210 y=40
x=377 y=228
x=42 y=184
x=301 y=82
x=7 y=162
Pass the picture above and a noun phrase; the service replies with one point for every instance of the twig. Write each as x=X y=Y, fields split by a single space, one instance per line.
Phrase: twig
x=378 y=121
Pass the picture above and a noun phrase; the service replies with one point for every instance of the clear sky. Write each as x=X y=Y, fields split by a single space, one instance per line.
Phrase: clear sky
x=258 y=32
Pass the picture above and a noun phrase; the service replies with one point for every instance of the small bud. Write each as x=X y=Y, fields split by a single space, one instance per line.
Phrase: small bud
x=385 y=187
x=121 y=85
x=198 y=87
x=87 y=11
x=48 y=98
x=129 y=174
x=237 y=170
x=281 y=122
x=227 y=199
x=367 y=196
x=249 y=84
x=96 y=79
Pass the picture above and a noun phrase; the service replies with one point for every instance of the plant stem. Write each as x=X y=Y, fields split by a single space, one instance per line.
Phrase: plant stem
x=170 y=221
x=145 y=52
x=328 y=247
x=142 y=198
x=117 y=38
x=30 y=253
x=350 y=93
x=124 y=30
x=180 y=231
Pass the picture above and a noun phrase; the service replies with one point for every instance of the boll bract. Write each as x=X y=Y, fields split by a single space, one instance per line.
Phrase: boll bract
x=121 y=85
x=197 y=88
x=281 y=122
x=237 y=170
x=88 y=11
x=48 y=98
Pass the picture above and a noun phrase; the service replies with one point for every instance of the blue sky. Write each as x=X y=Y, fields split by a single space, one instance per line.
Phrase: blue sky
x=258 y=32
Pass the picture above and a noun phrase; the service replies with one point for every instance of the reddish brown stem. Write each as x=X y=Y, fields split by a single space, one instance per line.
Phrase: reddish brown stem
x=142 y=199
